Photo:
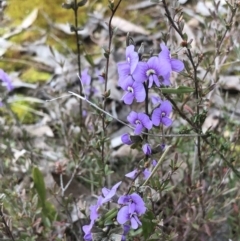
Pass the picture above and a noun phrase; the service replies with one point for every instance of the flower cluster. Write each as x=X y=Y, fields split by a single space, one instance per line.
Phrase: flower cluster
x=136 y=77
x=132 y=209
x=107 y=195
x=156 y=71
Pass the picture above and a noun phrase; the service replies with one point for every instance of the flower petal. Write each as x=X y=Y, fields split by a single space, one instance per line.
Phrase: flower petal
x=6 y=79
x=156 y=100
x=134 y=223
x=146 y=173
x=139 y=74
x=125 y=82
x=147 y=123
x=156 y=116
x=166 y=121
x=138 y=129
x=123 y=215
x=177 y=65
x=124 y=199
x=156 y=80
x=139 y=91
x=153 y=63
x=128 y=98
x=132 y=174
x=166 y=107
x=147 y=149
x=132 y=57
x=123 y=69
x=154 y=163
x=132 y=117
x=126 y=139
x=110 y=193
x=139 y=204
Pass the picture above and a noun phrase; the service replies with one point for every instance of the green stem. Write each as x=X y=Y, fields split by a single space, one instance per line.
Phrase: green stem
x=158 y=165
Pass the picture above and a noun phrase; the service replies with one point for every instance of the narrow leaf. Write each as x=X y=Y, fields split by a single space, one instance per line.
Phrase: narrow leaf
x=179 y=90
x=39 y=184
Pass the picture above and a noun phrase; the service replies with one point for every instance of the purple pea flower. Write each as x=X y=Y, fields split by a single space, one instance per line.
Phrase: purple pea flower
x=132 y=174
x=127 y=213
x=156 y=100
x=148 y=71
x=147 y=149
x=87 y=231
x=161 y=114
x=132 y=58
x=109 y=193
x=126 y=229
x=140 y=121
x=6 y=80
x=135 y=199
x=86 y=78
x=168 y=64
x=100 y=76
x=86 y=82
x=133 y=90
x=146 y=173
x=154 y=163
x=94 y=209
x=126 y=139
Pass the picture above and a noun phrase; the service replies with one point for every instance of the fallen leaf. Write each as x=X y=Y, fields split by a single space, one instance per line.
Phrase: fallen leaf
x=127 y=26
x=39 y=131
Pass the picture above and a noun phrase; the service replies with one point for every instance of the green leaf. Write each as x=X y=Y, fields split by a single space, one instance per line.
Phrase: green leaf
x=49 y=211
x=147 y=225
x=89 y=59
x=179 y=90
x=39 y=185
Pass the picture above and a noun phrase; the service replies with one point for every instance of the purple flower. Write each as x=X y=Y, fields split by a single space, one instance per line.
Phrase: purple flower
x=126 y=214
x=6 y=79
x=109 y=193
x=126 y=229
x=85 y=77
x=132 y=174
x=87 y=231
x=148 y=71
x=154 y=163
x=156 y=100
x=146 y=173
x=94 y=209
x=168 y=64
x=133 y=90
x=161 y=114
x=100 y=76
x=147 y=149
x=86 y=82
x=123 y=72
x=132 y=58
x=136 y=199
x=126 y=139
x=140 y=121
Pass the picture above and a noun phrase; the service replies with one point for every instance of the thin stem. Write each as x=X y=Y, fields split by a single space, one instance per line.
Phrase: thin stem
x=6 y=226
x=145 y=137
x=196 y=84
x=78 y=55
x=158 y=165
x=110 y=32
